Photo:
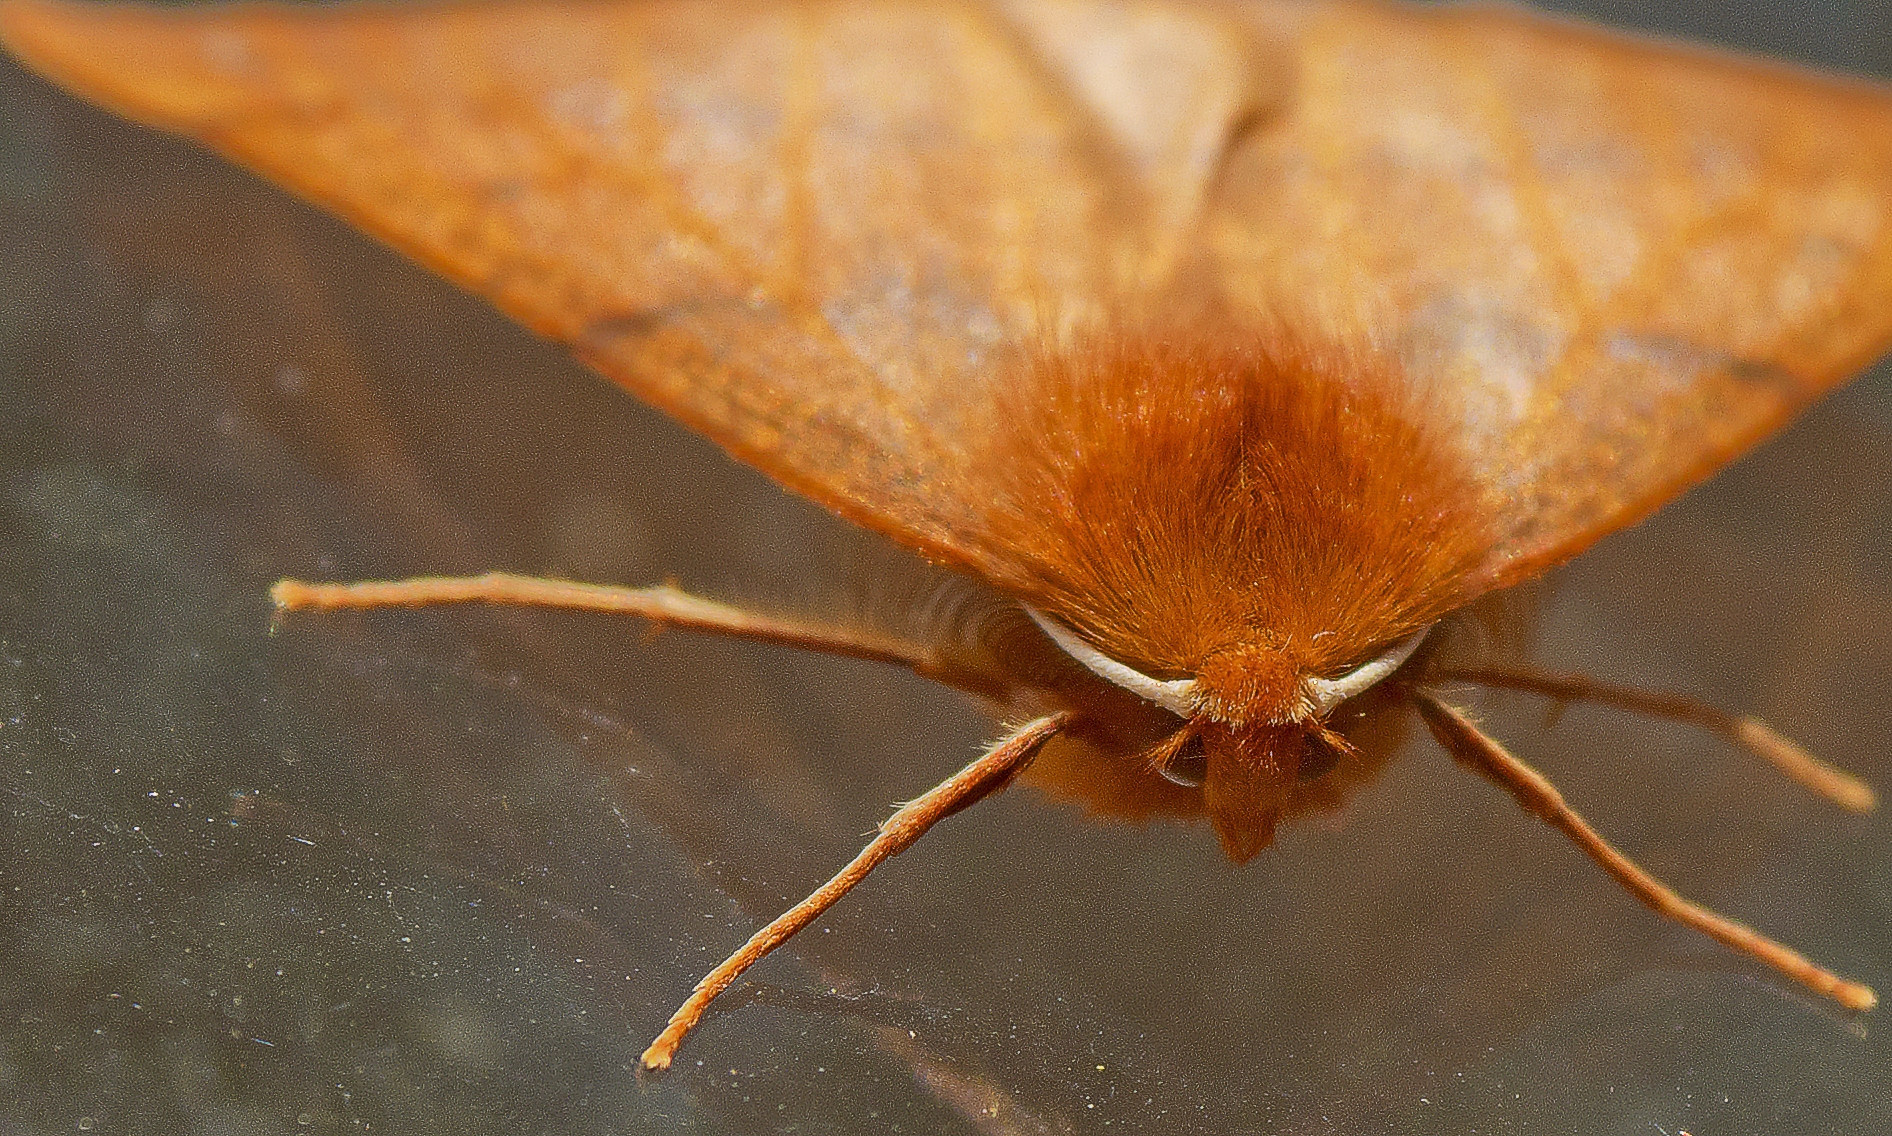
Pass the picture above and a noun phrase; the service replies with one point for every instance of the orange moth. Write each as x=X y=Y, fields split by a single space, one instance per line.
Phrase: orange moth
x=1239 y=346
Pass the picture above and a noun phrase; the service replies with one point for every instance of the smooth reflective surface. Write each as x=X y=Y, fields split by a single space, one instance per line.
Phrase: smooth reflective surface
x=448 y=871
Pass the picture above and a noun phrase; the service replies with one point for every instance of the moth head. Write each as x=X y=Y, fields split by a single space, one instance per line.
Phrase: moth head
x=1247 y=773
x=1253 y=723
x=1235 y=523
x=1256 y=682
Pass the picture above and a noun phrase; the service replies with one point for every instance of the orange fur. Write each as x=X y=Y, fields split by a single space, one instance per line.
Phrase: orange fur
x=1249 y=510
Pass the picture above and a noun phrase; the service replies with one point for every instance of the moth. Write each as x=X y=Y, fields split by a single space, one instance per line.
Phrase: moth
x=1240 y=346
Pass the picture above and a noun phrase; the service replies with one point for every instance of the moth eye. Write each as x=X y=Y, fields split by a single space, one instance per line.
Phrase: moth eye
x=1189 y=765
x=1318 y=759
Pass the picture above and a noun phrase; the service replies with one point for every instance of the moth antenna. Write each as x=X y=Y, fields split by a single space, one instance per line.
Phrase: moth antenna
x=1836 y=785
x=1472 y=746
x=1162 y=755
x=987 y=774
x=663 y=604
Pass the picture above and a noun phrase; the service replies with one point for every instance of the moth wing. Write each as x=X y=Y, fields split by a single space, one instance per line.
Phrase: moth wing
x=1615 y=264
x=799 y=228
x=812 y=231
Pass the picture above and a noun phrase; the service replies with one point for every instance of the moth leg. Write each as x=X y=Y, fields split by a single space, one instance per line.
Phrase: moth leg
x=985 y=775
x=1838 y=786
x=1469 y=744
x=661 y=604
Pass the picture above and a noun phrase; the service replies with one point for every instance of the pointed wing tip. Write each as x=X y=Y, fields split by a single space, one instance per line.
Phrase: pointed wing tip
x=147 y=62
x=50 y=34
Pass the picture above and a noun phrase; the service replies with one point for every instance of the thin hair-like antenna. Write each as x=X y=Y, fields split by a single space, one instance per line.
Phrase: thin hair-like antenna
x=989 y=773
x=1472 y=746
x=1836 y=785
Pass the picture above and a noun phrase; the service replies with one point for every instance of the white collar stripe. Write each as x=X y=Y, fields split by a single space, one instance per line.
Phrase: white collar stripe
x=1178 y=695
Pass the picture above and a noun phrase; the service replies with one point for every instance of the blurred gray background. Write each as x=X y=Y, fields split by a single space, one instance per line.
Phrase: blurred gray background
x=447 y=871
